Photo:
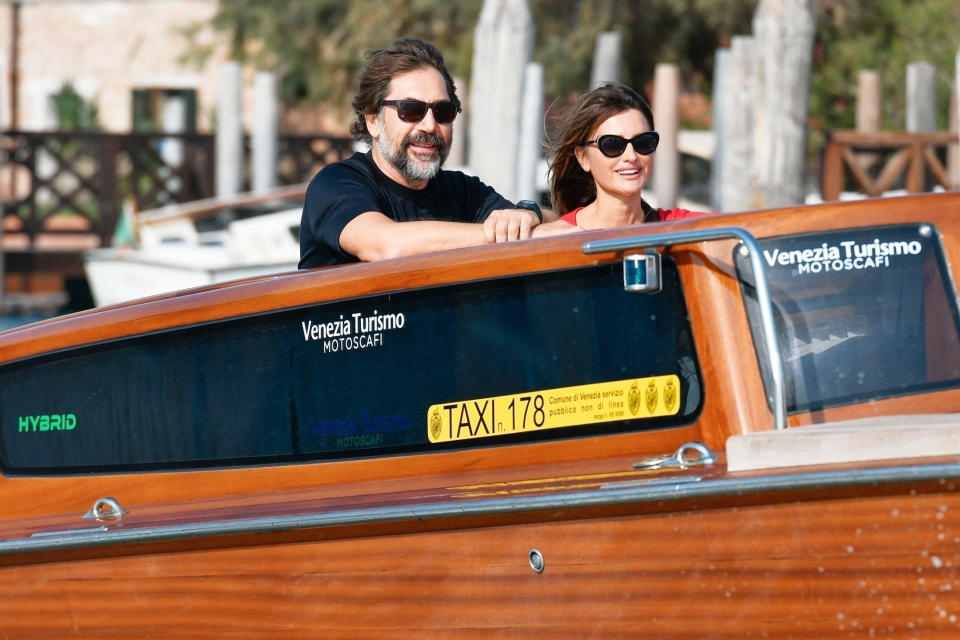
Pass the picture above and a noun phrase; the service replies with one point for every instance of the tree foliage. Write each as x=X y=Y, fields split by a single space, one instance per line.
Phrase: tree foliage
x=74 y=113
x=884 y=36
x=684 y=32
x=317 y=46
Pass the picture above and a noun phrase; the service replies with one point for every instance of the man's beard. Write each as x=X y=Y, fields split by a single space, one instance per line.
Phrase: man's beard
x=414 y=167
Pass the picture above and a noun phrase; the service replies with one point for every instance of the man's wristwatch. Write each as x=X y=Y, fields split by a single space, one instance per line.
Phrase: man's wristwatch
x=530 y=205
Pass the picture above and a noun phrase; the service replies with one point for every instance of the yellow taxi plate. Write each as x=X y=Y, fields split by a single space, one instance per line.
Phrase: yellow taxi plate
x=554 y=408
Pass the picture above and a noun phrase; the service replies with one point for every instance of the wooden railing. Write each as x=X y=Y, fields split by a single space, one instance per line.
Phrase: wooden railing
x=880 y=161
x=87 y=175
x=300 y=157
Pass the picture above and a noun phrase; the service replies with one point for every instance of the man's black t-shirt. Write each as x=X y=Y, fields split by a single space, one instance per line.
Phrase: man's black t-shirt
x=343 y=190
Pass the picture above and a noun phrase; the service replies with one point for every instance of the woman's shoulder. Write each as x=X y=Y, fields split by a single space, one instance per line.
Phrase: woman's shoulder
x=571 y=216
x=677 y=213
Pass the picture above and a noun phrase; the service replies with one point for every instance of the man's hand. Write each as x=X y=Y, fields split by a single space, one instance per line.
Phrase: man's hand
x=504 y=225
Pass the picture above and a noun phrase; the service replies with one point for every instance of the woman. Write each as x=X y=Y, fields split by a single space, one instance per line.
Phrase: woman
x=602 y=162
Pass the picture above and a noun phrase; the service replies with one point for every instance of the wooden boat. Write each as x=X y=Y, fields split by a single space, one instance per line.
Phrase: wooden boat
x=508 y=441
x=203 y=242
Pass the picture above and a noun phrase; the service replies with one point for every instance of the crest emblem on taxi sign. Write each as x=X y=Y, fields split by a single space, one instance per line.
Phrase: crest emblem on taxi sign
x=670 y=396
x=633 y=398
x=652 y=396
x=436 y=424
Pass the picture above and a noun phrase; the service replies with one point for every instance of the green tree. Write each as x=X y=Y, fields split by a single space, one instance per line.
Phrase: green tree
x=885 y=36
x=317 y=46
x=73 y=112
x=683 y=32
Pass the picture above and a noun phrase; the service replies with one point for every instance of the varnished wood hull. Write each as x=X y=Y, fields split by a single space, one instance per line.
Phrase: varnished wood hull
x=437 y=542
x=878 y=560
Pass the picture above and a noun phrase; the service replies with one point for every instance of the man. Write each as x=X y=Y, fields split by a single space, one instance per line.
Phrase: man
x=395 y=200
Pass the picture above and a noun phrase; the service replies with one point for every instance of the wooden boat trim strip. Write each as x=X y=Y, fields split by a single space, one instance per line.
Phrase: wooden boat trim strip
x=661 y=489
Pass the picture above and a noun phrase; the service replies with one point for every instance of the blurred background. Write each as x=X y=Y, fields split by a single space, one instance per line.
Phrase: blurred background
x=115 y=113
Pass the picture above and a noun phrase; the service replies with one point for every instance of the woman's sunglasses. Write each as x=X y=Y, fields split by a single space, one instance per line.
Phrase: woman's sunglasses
x=614 y=146
x=444 y=111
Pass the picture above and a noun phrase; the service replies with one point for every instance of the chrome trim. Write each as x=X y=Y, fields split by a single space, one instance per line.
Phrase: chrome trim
x=760 y=277
x=676 y=480
x=68 y=532
x=656 y=491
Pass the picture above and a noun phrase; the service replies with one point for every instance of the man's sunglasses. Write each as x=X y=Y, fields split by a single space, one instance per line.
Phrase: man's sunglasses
x=614 y=146
x=444 y=111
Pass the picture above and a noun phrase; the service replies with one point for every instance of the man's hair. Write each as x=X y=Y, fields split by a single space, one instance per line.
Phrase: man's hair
x=404 y=55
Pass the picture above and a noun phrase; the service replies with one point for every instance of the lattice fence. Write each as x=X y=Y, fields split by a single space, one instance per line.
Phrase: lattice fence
x=85 y=177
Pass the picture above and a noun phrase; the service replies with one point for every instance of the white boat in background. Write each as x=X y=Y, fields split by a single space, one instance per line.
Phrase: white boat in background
x=203 y=242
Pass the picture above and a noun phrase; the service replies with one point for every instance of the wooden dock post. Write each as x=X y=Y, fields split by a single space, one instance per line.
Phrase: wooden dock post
x=229 y=132
x=869 y=115
x=263 y=143
x=869 y=111
x=784 y=32
x=531 y=131
x=921 y=97
x=921 y=116
x=502 y=46
x=716 y=165
x=457 y=158
x=735 y=149
x=606 y=59
x=666 y=115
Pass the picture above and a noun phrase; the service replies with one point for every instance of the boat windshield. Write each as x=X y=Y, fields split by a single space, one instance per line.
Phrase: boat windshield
x=557 y=354
x=861 y=314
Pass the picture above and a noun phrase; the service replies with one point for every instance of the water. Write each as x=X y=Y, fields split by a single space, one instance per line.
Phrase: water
x=12 y=320
x=20 y=308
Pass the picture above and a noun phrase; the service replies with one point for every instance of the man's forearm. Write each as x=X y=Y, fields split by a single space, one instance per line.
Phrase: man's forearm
x=415 y=237
x=373 y=236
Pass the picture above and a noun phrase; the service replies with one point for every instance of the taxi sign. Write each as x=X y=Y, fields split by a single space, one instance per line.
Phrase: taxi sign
x=575 y=406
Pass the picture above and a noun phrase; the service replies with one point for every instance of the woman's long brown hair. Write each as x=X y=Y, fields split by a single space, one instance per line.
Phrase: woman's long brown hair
x=570 y=185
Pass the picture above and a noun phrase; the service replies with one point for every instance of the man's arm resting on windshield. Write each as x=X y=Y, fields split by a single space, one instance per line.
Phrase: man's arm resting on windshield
x=373 y=236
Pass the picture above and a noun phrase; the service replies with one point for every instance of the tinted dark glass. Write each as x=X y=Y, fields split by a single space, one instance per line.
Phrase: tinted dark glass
x=444 y=111
x=345 y=379
x=860 y=314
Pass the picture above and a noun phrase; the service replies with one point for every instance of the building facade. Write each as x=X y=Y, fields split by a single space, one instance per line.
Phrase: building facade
x=127 y=58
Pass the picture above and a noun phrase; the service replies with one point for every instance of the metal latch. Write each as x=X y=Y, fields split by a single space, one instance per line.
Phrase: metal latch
x=680 y=459
x=105 y=509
